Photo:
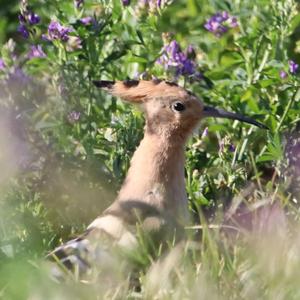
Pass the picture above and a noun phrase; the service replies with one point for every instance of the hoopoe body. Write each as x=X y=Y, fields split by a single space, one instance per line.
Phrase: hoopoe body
x=153 y=193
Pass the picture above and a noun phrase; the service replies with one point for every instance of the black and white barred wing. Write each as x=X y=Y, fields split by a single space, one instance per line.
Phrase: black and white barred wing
x=97 y=247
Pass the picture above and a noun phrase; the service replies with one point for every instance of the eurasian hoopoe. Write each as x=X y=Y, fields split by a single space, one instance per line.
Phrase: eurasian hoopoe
x=153 y=193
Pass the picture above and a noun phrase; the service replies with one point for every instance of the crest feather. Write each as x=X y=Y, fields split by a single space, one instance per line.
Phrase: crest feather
x=139 y=91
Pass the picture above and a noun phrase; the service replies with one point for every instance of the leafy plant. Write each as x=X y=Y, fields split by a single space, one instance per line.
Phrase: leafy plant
x=66 y=146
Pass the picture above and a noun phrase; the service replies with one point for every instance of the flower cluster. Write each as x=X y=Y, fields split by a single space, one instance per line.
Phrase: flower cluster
x=182 y=63
x=58 y=32
x=94 y=24
x=36 y=51
x=24 y=31
x=87 y=20
x=150 y=6
x=220 y=23
x=27 y=18
x=225 y=145
x=293 y=67
x=73 y=116
x=2 y=64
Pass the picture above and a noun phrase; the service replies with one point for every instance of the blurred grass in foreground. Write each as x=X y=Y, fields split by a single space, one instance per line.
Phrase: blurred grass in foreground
x=65 y=147
x=229 y=262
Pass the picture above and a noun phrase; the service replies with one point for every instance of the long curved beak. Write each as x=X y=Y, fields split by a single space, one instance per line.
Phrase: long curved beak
x=209 y=111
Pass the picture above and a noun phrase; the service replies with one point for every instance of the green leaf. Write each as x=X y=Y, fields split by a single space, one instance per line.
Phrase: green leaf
x=266 y=82
x=140 y=35
x=229 y=59
x=137 y=59
x=274 y=151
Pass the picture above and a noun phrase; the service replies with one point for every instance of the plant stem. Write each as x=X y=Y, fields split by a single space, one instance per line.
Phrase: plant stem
x=256 y=174
x=290 y=103
x=263 y=63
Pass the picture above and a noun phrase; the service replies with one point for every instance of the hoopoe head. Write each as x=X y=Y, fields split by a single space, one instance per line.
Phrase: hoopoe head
x=169 y=109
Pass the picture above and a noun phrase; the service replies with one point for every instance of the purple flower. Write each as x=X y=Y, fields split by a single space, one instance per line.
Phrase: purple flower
x=78 y=3
x=190 y=52
x=283 y=74
x=58 y=32
x=220 y=23
x=188 y=65
x=232 y=22
x=18 y=78
x=36 y=51
x=28 y=17
x=173 y=58
x=231 y=148
x=226 y=146
x=158 y=3
x=204 y=133
x=45 y=37
x=24 y=31
x=126 y=2
x=22 y=19
x=87 y=20
x=293 y=67
x=2 y=64
x=73 y=116
x=33 y=18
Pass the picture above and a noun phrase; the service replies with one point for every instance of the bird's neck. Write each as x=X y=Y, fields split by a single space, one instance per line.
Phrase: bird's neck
x=156 y=175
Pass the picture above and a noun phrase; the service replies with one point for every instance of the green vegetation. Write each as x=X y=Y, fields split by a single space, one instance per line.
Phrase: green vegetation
x=65 y=146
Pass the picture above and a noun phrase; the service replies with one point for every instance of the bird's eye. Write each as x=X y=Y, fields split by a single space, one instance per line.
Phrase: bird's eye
x=178 y=106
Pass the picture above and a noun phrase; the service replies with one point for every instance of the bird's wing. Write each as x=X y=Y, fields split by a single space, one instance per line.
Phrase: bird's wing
x=113 y=231
x=97 y=246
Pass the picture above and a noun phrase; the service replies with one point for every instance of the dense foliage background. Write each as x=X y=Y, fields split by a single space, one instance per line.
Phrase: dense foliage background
x=65 y=146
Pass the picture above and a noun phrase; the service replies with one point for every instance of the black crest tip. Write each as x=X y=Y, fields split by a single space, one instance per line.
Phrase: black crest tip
x=171 y=83
x=131 y=83
x=104 y=84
